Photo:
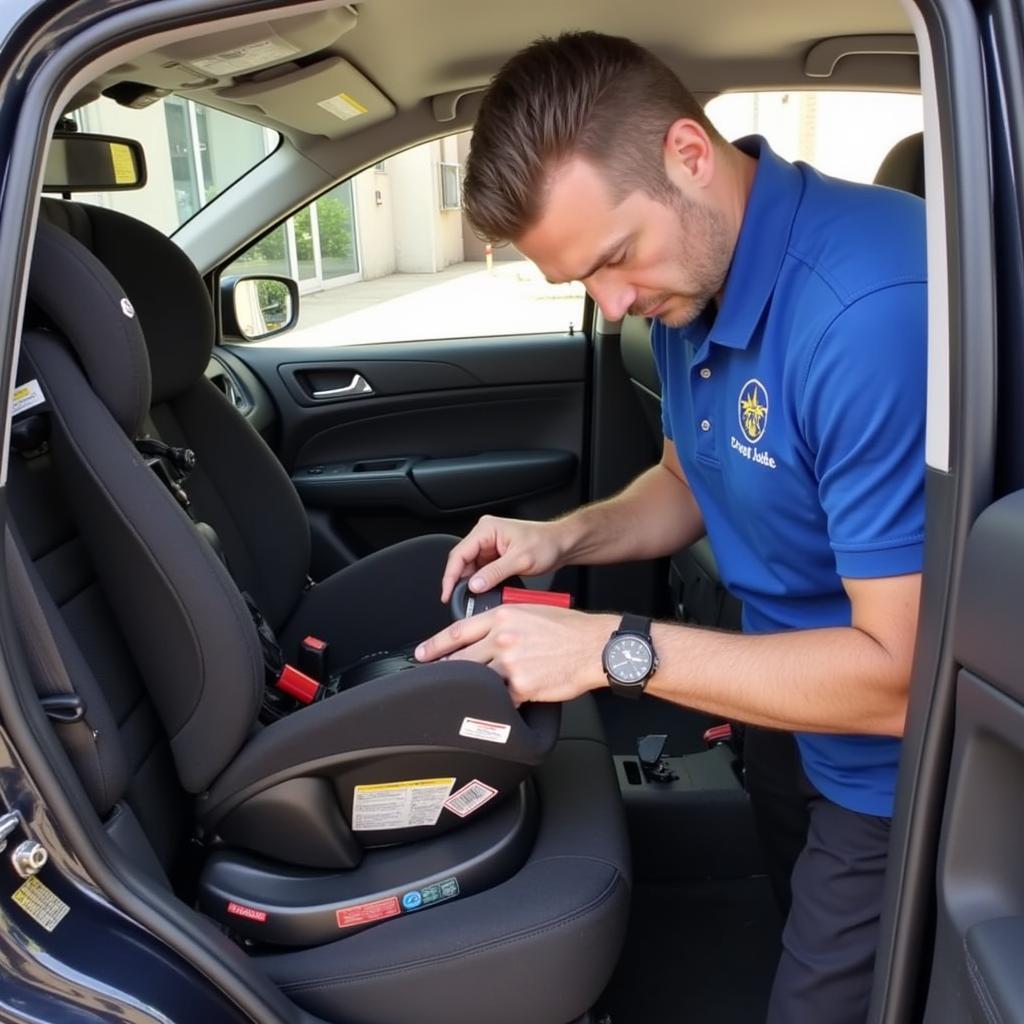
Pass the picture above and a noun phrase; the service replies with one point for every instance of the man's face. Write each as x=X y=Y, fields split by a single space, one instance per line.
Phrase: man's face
x=639 y=256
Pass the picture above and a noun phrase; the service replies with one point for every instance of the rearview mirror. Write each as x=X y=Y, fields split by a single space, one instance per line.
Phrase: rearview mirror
x=254 y=308
x=79 y=162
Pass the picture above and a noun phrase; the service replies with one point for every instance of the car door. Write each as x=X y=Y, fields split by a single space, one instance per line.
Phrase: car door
x=955 y=927
x=430 y=379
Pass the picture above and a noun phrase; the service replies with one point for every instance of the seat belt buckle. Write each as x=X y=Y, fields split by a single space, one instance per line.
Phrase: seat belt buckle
x=298 y=685
x=717 y=735
x=65 y=708
x=313 y=658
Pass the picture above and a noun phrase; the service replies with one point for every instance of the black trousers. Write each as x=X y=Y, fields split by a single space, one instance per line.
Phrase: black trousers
x=827 y=866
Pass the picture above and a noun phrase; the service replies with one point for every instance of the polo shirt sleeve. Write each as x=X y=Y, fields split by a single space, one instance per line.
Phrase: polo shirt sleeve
x=864 y=422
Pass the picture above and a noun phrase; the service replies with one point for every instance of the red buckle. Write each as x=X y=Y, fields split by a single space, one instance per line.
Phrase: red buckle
x=520 y=595
x=718 y=734
x=298 y=685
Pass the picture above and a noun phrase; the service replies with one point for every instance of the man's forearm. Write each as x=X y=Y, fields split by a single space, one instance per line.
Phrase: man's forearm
x=823 y=680
x=654 y=516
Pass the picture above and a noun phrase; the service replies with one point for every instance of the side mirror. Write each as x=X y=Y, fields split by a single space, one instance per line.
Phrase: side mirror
x=254 y=308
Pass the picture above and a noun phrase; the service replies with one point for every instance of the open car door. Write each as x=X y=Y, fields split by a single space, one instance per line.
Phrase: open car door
x=952 y=948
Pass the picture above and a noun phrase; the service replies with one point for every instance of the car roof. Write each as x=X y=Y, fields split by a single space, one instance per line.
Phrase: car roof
x=394 y=56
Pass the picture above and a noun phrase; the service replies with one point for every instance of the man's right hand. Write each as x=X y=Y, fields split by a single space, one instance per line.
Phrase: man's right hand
x=496 y=549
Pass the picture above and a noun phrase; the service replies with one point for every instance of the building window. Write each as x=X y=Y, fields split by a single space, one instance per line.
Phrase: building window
x=395 y=259
x=451 y=187
x=382 y=167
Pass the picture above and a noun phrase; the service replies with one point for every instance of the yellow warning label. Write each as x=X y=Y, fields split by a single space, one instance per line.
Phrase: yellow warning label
x=408 y=804
x=343 y=106
x=354 y=104
x=43 y=905
x=404 y=785
x=124 y=163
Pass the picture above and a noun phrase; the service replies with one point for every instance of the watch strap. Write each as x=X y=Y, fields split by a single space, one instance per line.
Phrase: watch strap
x=639 y=624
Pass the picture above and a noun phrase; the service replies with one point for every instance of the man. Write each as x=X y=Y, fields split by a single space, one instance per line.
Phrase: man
x=789 y=332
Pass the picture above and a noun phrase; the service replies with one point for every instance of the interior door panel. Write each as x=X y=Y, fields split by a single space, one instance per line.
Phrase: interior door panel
x=386 y=442
x=980 y=928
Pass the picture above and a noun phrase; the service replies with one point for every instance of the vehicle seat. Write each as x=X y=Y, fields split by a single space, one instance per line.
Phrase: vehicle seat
x=903 y=166
x=164 y=628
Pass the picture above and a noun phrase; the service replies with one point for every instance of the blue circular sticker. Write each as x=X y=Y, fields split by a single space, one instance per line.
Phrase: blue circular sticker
x=412 y=900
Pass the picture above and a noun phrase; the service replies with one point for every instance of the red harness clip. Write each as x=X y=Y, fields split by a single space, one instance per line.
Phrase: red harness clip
x=520 y=595
x=298 y=685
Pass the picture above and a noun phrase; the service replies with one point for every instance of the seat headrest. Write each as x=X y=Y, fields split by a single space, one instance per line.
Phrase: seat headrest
x=165 y=288
x=82 y=299
x=903 y=166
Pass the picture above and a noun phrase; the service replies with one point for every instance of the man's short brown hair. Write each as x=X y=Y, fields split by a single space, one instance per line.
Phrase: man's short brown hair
x=603 y=98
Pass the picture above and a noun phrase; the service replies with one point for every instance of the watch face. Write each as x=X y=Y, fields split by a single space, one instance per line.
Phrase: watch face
x=629 y=659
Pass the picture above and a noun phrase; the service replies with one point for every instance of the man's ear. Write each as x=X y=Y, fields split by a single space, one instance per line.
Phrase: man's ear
x=689 y=154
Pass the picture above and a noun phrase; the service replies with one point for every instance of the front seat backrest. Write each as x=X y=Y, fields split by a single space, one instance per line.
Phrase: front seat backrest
x=238 y=486
x=903 y=166
x=183 y=619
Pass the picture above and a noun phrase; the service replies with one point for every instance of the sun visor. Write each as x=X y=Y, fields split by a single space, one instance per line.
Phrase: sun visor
x=328 y=98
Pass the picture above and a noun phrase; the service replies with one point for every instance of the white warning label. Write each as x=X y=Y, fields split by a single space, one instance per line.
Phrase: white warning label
x=43 y=905
x=470 y=798
x=252 y=55
x=399 y=804
x=26 y=396
x=478 y=729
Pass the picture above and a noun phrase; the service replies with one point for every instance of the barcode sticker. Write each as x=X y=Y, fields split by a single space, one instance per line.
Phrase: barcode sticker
x=470 y=798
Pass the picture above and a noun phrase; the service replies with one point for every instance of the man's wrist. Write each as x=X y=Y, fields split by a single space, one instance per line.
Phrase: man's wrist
x=569 y=538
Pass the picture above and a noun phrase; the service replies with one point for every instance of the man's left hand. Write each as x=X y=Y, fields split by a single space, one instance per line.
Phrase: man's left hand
x=543 y=653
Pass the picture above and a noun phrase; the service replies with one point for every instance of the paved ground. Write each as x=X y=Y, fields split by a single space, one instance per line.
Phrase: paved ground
x=464 y=300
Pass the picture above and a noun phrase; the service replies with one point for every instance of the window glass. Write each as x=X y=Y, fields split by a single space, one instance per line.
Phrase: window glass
x=193 y=153
x=390 y=256
x=844 y=134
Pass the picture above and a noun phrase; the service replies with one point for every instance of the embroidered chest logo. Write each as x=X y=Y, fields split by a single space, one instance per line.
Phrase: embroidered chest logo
x=752 y=408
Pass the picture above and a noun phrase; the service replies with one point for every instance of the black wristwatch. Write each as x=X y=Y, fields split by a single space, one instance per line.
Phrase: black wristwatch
x=629 y=660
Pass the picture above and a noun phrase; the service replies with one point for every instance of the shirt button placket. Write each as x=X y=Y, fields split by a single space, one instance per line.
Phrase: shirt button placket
x=705 y=438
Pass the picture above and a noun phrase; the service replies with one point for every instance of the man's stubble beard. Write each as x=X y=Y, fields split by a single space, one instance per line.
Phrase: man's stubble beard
x=706 y=263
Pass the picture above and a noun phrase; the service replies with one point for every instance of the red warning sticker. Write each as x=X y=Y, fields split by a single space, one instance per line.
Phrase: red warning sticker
x=366 y=913
x=250 y=912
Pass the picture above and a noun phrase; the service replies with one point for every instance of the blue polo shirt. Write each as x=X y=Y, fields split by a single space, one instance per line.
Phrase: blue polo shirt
x=798 y=412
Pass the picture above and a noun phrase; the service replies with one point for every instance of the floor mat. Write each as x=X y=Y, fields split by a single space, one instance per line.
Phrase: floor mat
x=697 y=953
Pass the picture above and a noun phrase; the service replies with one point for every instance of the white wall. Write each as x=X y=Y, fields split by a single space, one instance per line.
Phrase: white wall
x=375 y=223
x=155 y=203
x=415 y=216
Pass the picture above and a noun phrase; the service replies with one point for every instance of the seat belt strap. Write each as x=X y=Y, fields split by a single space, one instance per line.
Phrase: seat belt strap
x=172 y=466
x=49 y=674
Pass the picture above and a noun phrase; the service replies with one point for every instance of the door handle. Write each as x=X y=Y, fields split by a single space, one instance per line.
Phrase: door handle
x=358 y=385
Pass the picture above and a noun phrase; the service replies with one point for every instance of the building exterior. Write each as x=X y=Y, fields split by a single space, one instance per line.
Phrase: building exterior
x=400 y=216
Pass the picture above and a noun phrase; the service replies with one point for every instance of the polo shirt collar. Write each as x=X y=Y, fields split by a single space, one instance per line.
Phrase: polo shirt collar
x=761 y=246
